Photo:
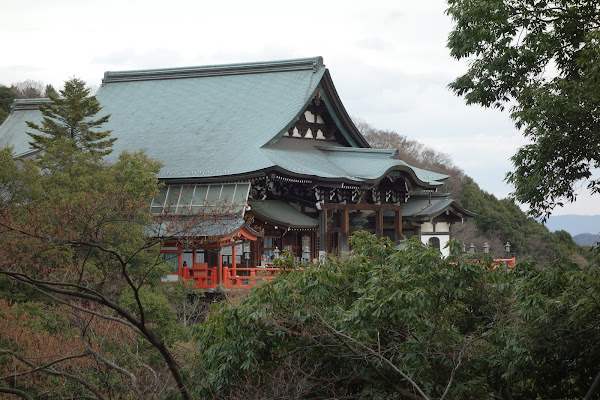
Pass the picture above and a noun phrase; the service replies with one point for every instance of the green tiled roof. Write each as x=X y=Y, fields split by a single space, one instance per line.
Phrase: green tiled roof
x=207 y=121
x=353 y=164
x=282 y=213
x=423 y=207
x=225 y=121
x=13 y=130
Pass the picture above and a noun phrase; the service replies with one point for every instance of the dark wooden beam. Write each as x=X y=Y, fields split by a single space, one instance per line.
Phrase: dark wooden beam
x=345 y=231
x=379 y=223
x=398 y=226
x=353 y=207
x=323 y=230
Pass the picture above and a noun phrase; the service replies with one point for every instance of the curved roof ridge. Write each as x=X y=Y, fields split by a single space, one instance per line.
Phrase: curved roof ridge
x=29 y=104
x=300 y=64
x=394 y=153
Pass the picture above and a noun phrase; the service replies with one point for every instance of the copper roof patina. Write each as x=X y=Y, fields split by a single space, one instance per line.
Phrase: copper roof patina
x=225 y=122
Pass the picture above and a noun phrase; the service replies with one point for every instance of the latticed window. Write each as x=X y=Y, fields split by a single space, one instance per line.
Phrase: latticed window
x=210 y=198
x=171 y=260
x=434 y=243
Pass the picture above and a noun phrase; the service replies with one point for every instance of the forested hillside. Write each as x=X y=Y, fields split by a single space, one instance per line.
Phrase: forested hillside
x=498 y=221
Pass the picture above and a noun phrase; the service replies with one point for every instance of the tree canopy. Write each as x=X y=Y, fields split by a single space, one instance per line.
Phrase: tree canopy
x=390 y=323
x=497 y=221
x=7 y=97
x=540 y=58
x=80 y=267
x=69 y=124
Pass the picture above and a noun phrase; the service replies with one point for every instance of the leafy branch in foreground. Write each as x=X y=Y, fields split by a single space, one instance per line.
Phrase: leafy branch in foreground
x=541 y=58
x=405 y=324
x=80 y=239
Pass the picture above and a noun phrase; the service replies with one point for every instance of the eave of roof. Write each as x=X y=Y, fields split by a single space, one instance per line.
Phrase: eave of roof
x=282 y=213
x=428 y=206
x=212 y=228
x=315 y=159
x=334 y=104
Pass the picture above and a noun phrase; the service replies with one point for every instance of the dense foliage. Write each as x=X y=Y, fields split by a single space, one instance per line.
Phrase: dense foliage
x=7 y=97
x=541 y=58
x=497 y=221
x=69 y=123
x=503 y=219
x=406 y=324
x=79 y=272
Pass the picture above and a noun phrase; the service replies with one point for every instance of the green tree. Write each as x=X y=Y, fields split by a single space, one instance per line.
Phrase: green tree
x=50 y=91
x=384 y=323
x=391 y=323
x=69 y=125
x=7 y=97
x=540 y=58
x=77 y=232
x=79 y=239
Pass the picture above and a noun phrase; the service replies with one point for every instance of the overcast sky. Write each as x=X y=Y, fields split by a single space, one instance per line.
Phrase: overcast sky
x=387 y=59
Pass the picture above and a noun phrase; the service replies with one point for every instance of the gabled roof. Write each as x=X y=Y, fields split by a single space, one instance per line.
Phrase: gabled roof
x=13 y=129
x=225 y=122
x=422 y=207
x=207 y=121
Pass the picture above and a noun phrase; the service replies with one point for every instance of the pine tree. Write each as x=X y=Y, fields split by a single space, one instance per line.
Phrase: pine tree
x=69 y=127
x=50 y=91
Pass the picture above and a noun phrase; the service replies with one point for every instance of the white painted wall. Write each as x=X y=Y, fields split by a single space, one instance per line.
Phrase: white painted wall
x=444 y=239
x=442 y=227
x=170 y=278
x=426 y=227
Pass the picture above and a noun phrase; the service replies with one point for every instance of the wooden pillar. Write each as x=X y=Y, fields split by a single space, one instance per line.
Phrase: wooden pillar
x=220 y=275
x=398 y=226
x=322 y=230
x=345 y=228
x=179 y=259
x=255 y=253
x=233 y=257
x=379 y=223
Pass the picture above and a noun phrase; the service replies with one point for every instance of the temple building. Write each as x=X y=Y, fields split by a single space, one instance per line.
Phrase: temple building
x=270 y=142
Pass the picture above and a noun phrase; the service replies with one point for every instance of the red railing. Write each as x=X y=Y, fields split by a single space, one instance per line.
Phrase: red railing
x=206 y=278
x=509 y=262
x=247 y=278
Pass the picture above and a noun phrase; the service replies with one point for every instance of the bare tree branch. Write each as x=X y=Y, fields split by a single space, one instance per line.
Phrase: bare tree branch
x=16 y=392
x=377 y=355
x=57 y=373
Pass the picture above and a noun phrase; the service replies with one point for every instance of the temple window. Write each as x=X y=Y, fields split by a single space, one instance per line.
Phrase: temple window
x=434 y=243
x=171 y=260
x=269 y=245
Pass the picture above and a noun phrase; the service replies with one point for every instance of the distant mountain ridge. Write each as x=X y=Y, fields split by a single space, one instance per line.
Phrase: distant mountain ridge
x=587 y=239
x=575 y=224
